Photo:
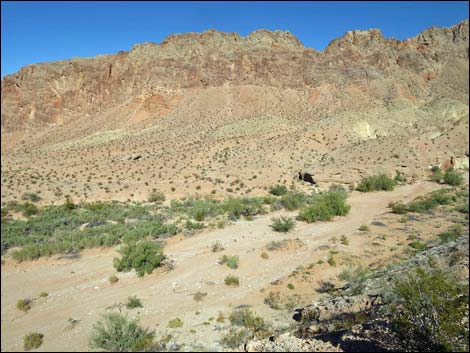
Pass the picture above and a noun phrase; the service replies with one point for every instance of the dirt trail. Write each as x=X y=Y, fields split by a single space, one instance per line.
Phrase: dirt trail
x=79 y=288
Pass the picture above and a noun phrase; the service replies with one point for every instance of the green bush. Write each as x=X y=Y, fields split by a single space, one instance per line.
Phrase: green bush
x=453 y=178
x=232 y=280
x=118 y=333
x=157 y=197
x=417 y=245
x=278 y=190
x=325 y=206
x=133 y=302
x=376 y=183
x=175 y=323
x=194 y=225
x=23 y=304
x=283 y=224
x=28 y=209
x=230 y=261
x=143 y=257
x=246 y=318
x=32 y=340
x=398 y=207
x=451 y=235
x=399 y=177
x=437 y=176
x=429 y=311
x=292 y=200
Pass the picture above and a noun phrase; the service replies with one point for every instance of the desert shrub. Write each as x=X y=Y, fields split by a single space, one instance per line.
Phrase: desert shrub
x=194 y=225
x=234 y=337
x=230 y=261
x=69 y=205
x=356 y=277
x=424 y=203
x=198 y=296
x=430 y=311
x=283 y=224
x=32 y=340
x=398 y=207
x=175 y=323
x=277 y=245
x=399 y=177
x=450 y=235
x=246 y=318
x=118 y=333
x=28 y=209
x=453 y=178
x=325 y=287
x=23 y=304
x=231 y=280
x=364 y=228
x=264 y=255
x=278 y=190
x=30 y=196
x=436 y=174
x=133 y=303
x=217 y=246
x=290 y=286
x=417 y=245
x=235 y=208
x=292 y=200
x=273 y=300
x=143 y=257
x=376 y=183
x=113 y=279
x=43 y=295
x=325 y=206
x=157 y=197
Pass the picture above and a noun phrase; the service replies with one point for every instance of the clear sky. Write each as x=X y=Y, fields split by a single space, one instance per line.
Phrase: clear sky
x=38 y=31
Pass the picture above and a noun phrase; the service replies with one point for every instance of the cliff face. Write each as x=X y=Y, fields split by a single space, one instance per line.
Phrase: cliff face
x=435 y=62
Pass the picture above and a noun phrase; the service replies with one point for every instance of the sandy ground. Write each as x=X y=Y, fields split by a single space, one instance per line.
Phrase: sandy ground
x=79 y=288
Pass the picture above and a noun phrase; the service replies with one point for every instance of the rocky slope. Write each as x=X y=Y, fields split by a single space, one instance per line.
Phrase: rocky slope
x=358 y=102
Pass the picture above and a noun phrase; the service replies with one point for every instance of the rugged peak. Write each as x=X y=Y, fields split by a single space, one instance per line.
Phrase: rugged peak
x=214 y=38
x=456 y=33
x=363 y=39
x=275 y=38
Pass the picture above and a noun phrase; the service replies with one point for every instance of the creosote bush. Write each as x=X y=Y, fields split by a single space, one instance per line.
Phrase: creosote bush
x=325 y=206
x=376 y=183
x=32 y=340
x=231 y=280
x=117 y=333
x=142 y=256
x=430 y=311
x=283 y=224
x=230 y=261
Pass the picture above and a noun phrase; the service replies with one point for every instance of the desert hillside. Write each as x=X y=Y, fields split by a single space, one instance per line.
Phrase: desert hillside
x=217 y=112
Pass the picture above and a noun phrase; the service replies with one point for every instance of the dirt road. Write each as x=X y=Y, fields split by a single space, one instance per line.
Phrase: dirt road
x=79 y=288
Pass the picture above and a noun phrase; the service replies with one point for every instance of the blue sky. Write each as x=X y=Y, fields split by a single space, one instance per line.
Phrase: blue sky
x=33 y=32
